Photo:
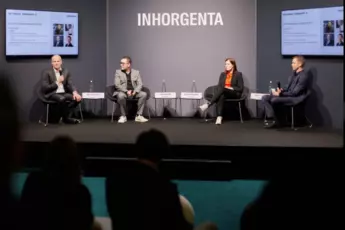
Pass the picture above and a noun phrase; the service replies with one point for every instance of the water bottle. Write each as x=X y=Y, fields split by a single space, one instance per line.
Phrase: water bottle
x=91 y=86
x=270 y=87
x=164 y=88
x=194 y=86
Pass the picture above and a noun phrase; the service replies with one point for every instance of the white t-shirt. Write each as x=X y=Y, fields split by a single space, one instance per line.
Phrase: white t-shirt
x=60 y=88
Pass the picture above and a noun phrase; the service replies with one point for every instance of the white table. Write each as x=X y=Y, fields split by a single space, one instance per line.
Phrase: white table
x=257 y=97
x=94 y=96
x=192 y=96
x=165 y=96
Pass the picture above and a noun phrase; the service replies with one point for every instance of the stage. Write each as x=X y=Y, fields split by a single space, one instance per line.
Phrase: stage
x=200 y=151
x=188 y=132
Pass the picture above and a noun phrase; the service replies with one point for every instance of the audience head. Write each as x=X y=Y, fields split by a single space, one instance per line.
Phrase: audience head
x=152 y=145
x=56 y=61
x=298 y=63
x=125 y=63
x=230 y=65
x=9 y=133
x=62 y=159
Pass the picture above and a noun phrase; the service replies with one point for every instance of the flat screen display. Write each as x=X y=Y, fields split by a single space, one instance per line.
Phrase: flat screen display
x=318 y=32
x=31 y=33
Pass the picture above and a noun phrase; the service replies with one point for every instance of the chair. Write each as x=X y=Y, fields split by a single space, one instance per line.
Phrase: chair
x=210 y=91
x=302 y=104
x=109 y=91
x=47 y=103
x=292 y=107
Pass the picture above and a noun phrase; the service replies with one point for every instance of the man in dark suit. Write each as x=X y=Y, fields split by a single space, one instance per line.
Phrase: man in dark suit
x=57 y=86
x=58 y=41
x=230 y=86
x=69 y=41
x=340 y=40
x=295 y=91
x=58 y=29
x=329 y=40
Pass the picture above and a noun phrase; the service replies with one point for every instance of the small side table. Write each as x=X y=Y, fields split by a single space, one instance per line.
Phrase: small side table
x=93 y=97
x=191 y=96
x=165 y=96
x=257 y=97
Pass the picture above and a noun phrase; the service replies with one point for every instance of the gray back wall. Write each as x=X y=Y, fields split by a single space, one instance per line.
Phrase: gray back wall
x=326 y=104
x=91 y=62
x=182 y=54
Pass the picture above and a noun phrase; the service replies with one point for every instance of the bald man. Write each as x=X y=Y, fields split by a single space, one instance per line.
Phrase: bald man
x=57 y=86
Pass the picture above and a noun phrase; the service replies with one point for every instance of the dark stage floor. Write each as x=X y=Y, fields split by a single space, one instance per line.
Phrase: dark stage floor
x=188 y=132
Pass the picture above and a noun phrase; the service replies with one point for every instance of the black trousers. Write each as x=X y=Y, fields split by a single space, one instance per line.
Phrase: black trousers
x=219 y=97
x=66 y=104
x=274 y=106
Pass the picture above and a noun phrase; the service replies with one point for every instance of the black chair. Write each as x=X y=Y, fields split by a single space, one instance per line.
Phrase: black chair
x=47 y=103
x=210 y=91
x=109 y=91
x=302 y=104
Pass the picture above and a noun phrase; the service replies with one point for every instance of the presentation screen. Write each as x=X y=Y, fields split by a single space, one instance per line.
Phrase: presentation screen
x=317 y=32
x=30 y=33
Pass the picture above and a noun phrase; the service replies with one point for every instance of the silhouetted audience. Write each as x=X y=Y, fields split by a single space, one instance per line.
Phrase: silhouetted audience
x=55 y=198
x=10 y=153
x=299 y=198
x=139 y=197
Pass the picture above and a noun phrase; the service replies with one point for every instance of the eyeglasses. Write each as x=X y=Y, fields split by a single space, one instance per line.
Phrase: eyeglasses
x=122 y=63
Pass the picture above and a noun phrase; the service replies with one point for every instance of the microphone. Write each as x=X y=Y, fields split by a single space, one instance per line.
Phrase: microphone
x=278 y=84
x=60 y=71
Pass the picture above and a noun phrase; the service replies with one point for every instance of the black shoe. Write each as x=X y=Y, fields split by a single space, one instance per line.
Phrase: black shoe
x=271 y=125
x=70 y=121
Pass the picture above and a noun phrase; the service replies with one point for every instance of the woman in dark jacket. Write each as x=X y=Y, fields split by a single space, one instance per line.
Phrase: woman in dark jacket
x=230 y=86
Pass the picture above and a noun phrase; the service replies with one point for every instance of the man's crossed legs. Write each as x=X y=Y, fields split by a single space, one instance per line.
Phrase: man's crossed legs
x=66 y=104
x=274 y=109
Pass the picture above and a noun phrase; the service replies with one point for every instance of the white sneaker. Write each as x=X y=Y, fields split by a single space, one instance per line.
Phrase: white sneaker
x=203 y=107
x=122 y=119
x=140 y=118
x=219 y=120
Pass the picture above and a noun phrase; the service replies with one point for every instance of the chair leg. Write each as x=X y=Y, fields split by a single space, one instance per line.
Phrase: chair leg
x=112 y=113
x=310 y=123
x=148 y=111
x=81 y=113
x=292 y=118
x=240 y=109
x=47 y=116
x=205 y=114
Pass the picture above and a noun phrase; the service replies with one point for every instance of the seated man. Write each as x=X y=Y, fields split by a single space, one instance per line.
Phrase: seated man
x=128 y=84
x=57 y=86
x=295 y=91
